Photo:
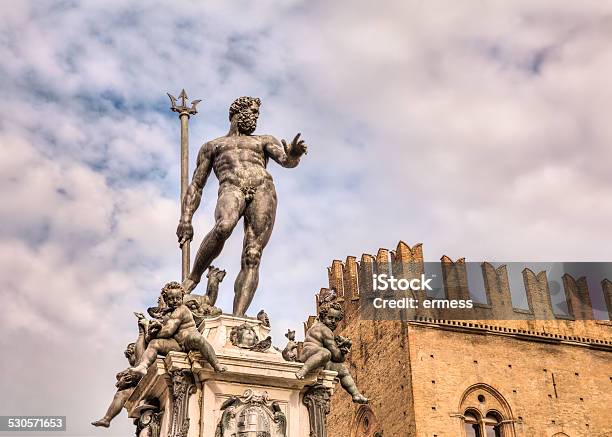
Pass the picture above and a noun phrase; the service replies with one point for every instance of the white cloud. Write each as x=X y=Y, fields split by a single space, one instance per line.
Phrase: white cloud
x=478 y=129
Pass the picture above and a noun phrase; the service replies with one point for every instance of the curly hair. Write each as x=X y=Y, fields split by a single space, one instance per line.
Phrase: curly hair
x=242 y=103
x=325 y=307
x=172 y=286
x=235 y=334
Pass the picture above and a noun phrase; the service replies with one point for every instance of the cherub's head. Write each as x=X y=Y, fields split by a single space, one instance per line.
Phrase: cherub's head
x=172 y=294
x=244 y=112
x=330 y=314
x=130 y=350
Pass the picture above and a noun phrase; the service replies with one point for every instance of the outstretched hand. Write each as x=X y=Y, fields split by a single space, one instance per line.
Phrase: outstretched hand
x=297 y=147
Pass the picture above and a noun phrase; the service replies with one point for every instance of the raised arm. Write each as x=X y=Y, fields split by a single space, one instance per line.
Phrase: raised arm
x=193 y=195
x=287 y=155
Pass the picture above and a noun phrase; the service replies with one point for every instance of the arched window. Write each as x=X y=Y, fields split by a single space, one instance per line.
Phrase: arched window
x=492 y=423
x=476 y=426
x=471 y=424
x=485 y=413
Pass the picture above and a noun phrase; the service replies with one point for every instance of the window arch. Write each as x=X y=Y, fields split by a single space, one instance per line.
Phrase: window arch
x=485 y=413
x=493 y=424
x=365 y=424
x=474 y=425
x=471 y=424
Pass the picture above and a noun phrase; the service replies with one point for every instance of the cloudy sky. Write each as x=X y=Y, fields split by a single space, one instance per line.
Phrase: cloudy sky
x=480 y=129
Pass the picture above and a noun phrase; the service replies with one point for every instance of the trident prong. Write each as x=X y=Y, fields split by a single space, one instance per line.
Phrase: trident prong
x=183 y=108
x=193 y=106
x=183 y=97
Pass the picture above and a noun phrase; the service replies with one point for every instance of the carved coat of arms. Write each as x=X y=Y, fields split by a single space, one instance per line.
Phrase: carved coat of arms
x=251 y=415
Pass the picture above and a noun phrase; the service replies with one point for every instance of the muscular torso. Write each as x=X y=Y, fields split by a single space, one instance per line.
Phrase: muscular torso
x=240 y=160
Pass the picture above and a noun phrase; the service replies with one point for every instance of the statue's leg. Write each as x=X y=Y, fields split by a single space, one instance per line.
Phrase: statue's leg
x=313 y=359
x=114 y=408
x=156 y=346
x=348 y=383
x=230 y=206
x=197 y=342
x=259 y=218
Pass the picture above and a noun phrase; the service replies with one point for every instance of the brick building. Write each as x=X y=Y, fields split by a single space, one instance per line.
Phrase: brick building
x=543 y=375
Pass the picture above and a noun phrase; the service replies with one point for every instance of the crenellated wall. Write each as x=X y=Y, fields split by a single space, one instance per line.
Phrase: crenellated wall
x=352 y=278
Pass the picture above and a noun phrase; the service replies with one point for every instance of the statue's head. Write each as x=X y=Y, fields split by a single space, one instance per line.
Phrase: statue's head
x=248 y=337
x=193 y=305
x=290 y=335
x=192 y=302
x=244 y=112
x=125 y=379
x=130 y=350
x=173 y=293
x=215 y=274
x=330 y=314
x=243 y=336
x=265 y=319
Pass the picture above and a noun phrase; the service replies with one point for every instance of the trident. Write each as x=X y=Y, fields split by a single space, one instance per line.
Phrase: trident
x=184 y=112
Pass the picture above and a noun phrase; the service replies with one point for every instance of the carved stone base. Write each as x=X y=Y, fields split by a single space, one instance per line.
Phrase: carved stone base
x=258 y=395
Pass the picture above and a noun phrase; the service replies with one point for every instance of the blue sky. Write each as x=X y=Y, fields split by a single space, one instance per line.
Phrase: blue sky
x=480 y=129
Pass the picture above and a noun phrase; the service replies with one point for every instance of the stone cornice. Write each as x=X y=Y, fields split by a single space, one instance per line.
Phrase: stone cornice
x=484 y=328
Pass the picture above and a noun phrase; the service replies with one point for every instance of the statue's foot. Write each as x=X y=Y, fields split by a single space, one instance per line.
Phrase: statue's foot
x=189 y=284
x=219 y=368
x=300 y=374
x=360 y=399
x=102 y=422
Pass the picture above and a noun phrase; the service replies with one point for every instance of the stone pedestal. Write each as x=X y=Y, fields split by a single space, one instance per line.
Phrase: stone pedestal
x=258 y=393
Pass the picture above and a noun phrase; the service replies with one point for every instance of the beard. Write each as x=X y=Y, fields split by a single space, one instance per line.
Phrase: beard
x=246 y=122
